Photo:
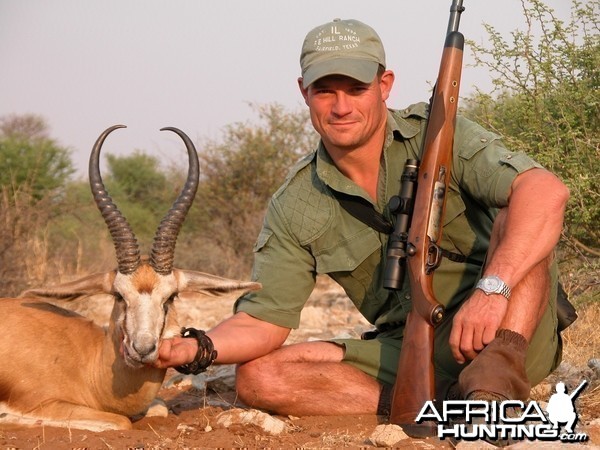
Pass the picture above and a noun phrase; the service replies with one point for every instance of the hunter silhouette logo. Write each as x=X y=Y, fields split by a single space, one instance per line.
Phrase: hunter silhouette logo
x=507 y=420
x=561 y=407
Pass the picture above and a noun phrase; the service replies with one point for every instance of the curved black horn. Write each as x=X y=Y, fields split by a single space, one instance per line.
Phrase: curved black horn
x=163 y=248
x=126 y=246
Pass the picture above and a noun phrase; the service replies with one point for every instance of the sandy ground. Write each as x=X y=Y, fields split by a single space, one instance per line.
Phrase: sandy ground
x=194 y=404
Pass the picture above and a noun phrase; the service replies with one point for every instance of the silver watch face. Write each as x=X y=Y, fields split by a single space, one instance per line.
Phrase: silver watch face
x=490 y=284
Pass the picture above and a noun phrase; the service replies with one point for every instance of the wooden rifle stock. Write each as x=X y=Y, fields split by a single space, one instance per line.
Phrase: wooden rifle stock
x=415 y=383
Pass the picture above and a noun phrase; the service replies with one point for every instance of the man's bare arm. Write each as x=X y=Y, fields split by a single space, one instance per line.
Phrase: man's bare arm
x=533 y=225
x=237 y=339
x=521 y=248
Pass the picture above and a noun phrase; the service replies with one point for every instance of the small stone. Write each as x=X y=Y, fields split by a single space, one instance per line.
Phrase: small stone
x=158 y=408
x=265 y=422
x=387 y=435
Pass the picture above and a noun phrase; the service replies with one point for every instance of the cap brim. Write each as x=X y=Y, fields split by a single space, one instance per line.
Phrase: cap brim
x=361 y=70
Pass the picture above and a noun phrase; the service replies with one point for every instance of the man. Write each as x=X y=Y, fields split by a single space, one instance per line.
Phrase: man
x=502 y=208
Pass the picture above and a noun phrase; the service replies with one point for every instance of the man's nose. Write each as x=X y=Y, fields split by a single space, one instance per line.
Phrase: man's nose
x=342 y=105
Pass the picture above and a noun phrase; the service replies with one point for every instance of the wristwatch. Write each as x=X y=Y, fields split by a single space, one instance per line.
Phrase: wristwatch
x=492 y=284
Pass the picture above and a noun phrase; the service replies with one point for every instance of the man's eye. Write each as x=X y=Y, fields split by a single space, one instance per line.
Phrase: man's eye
x=359 y=89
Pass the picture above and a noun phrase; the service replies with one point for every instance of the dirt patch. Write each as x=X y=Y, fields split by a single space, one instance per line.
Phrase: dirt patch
x=192 y=423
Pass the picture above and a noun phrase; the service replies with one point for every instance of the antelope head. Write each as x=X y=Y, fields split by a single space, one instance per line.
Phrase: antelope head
x=145 y=288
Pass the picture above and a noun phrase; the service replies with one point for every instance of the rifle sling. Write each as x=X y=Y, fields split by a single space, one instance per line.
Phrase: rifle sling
x=364 y=211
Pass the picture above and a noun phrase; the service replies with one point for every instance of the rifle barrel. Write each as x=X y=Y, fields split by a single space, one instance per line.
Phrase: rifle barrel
x=455 y=10
x=575 y=393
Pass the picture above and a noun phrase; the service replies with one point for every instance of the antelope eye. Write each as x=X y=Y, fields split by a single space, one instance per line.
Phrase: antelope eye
x=170 y=300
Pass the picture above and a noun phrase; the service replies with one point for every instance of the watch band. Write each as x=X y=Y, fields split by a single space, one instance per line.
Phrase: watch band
x=505 y=291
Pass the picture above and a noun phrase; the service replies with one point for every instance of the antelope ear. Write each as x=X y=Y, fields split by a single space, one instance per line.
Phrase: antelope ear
x=211 y=285
x=99 y=283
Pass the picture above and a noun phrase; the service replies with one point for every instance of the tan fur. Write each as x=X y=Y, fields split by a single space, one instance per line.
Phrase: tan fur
x=61 y=369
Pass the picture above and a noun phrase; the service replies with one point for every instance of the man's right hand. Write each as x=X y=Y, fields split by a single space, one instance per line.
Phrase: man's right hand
x=238 y=339
x=176 y=352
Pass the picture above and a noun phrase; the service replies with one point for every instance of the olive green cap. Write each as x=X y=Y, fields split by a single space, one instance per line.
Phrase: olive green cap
x=341 y=47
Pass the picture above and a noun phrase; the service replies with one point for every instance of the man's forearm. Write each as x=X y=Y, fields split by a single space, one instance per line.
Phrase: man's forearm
x=532 y=227
x=242 y=338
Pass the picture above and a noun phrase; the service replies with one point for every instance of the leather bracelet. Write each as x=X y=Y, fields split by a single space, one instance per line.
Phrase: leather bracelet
x=205 y=355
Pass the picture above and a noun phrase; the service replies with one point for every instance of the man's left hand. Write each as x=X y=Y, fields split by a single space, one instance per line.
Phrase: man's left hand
x=475 y=324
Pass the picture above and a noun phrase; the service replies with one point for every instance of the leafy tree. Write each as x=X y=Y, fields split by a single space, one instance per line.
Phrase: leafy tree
x=33 y=173
x=29 y=159
x=546 y=102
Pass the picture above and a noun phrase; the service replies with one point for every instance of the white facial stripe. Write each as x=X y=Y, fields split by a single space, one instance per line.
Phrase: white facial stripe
x=144 y=319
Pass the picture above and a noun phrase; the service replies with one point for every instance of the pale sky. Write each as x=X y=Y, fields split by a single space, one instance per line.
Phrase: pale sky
x=84 y=65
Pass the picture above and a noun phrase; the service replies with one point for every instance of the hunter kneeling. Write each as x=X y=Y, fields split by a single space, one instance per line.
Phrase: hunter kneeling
x=497 y=280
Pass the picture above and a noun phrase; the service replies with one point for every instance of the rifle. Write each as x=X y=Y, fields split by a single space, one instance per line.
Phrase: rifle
x=418 y=248
x=577 y=390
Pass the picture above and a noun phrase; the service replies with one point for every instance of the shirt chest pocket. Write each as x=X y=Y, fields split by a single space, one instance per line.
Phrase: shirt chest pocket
x=339 y=253
x=352 y=260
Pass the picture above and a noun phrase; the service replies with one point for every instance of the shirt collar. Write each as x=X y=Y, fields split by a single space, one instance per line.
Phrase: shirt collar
x=398 y=127
x=331 y=176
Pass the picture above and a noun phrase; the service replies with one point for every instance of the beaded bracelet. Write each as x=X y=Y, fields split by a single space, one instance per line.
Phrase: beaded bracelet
x=205 y=356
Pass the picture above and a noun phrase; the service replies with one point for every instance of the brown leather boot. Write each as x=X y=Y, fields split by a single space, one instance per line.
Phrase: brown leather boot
x=498 y=372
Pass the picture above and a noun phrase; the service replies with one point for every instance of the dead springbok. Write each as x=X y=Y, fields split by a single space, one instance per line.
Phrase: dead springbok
x=60 y=369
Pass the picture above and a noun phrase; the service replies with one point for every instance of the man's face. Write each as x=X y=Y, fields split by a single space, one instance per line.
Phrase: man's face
x=346 y=112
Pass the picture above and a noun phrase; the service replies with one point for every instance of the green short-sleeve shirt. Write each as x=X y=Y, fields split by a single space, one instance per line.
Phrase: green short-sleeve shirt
x=306 y=232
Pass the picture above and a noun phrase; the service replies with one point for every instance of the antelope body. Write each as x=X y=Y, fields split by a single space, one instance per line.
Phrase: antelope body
x=60 y=369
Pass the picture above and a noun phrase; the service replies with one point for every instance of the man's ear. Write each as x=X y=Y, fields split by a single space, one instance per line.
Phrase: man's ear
x=303 y=90
x=386 y=82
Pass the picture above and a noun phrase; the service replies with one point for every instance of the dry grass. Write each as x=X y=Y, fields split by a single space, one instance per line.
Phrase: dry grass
x=582 y=338
x=581 y=347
